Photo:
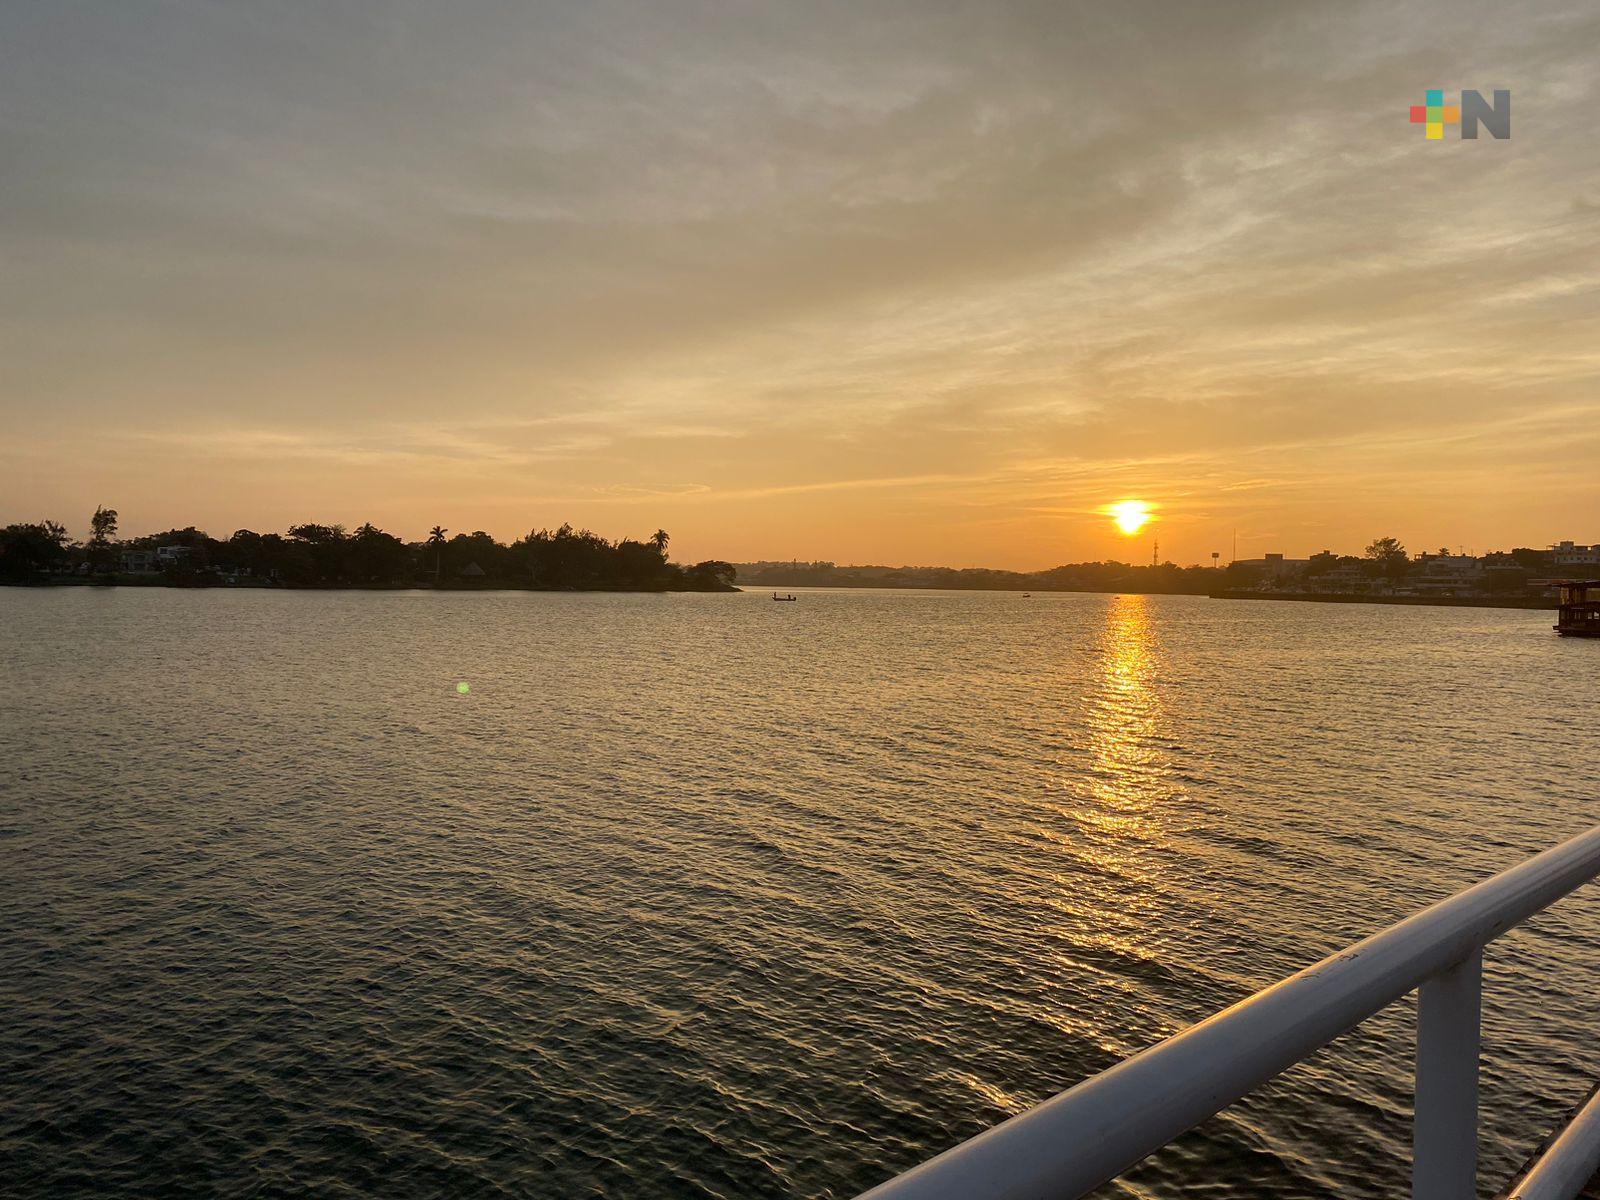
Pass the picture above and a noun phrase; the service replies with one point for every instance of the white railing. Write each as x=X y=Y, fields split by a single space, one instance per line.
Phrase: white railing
x=1569 y=1162
x=1088 y=1135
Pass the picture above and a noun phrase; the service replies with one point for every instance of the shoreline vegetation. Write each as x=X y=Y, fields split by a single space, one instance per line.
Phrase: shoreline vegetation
x=313 y=556
x=329 y=557
x=1385 y=573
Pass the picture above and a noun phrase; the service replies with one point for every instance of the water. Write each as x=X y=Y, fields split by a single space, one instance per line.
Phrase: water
x=704 y=896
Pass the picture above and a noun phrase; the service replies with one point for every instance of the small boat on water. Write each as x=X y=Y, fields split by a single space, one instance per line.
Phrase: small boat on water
x=1579 y=611
x=783 y=599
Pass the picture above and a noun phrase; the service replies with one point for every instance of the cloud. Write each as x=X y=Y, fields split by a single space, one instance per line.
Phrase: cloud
x=832 y=277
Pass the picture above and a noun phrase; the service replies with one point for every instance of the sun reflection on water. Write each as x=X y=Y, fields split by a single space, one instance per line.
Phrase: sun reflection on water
x=1125 y=716
x=1115 y=812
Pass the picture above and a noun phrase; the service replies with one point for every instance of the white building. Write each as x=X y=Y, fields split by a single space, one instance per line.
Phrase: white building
x=1571 y=554
x=1446 y=574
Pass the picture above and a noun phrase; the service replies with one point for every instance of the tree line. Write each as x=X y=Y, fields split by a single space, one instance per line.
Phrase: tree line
x=318 y=555
x=1384 y=563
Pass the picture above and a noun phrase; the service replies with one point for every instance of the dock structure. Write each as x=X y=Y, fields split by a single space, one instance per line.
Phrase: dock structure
x=1579 y=612
x=1088 y=1135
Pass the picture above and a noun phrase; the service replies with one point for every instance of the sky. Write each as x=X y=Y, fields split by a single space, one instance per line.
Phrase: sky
x=875 y=282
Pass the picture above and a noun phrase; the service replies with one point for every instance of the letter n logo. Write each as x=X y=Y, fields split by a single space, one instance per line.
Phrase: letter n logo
x=1475 y=111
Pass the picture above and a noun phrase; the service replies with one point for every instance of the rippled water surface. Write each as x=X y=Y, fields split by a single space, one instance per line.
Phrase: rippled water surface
x=705 y=896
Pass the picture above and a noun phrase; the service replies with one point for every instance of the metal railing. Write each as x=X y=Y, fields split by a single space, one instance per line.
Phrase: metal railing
x=1568 y=1162
x=1091 y=1133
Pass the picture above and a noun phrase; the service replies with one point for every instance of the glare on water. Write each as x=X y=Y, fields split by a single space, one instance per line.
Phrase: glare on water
x=707 y=896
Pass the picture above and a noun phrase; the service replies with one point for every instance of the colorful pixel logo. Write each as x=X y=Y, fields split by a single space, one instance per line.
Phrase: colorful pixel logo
x=1472 y=112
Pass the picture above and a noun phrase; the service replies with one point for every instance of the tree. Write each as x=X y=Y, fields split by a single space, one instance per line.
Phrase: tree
x=324 y=546
x=1388 y=557
x=713 y=575
x=659 y=540
x=374 y=556
x=1321 y=564
x=102 y=528
x=635 y=564
x=317 y=535
x=436 y=540
x=1238 y=576
x=27 y=550
x=478 y=549
x=268 y=556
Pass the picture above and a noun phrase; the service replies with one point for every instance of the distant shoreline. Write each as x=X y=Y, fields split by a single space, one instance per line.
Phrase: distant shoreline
x=1529 y=603
x=1524 y=602
x=496 y=586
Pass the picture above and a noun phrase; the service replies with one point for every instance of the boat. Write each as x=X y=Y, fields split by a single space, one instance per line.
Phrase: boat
x=1579 y=612
x=783 y=599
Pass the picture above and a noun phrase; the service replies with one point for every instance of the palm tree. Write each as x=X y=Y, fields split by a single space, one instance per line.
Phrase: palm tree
x=436 y=540
x=659 y=541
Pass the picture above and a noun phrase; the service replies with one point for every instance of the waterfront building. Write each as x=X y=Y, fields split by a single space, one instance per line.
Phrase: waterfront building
x=1571 y=554
x=1446 y=574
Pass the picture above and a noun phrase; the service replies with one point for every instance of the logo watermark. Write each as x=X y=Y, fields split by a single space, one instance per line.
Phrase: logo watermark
x=1473 y=111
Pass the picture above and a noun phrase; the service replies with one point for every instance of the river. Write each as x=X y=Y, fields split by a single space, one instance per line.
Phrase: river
x=706 y=896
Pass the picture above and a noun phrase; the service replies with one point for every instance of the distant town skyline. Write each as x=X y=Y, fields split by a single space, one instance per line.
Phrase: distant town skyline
x=912 y=283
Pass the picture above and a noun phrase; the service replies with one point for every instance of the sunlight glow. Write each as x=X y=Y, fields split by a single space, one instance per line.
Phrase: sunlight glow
x=1130 y=515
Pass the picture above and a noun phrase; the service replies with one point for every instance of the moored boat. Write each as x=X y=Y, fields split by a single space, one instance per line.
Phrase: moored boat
x=1579 y=612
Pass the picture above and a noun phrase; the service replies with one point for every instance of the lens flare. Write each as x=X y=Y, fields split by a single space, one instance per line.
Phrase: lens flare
x=1130 y=515
x=462 y=689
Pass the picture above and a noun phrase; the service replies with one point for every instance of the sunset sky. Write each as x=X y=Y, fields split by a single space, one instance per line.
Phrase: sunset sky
x=872 y=282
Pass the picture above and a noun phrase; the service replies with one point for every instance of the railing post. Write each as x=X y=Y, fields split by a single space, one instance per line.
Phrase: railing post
x=1444 y=1138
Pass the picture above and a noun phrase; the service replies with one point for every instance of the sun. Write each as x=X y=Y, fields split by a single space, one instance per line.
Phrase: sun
x=1130 y=515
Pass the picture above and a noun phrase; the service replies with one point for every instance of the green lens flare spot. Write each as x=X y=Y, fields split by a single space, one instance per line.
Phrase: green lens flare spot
x=462 y=689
